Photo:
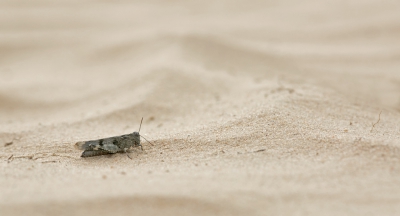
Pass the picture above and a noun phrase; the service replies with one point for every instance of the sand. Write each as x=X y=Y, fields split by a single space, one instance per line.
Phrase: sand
x=253 y=107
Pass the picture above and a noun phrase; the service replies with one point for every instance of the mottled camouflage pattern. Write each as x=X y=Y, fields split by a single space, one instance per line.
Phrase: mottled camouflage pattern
x=110 y=145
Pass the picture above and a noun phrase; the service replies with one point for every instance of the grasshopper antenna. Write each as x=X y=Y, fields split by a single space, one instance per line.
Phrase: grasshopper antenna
x=143 y=136
x=147 y=140
x=140 y=124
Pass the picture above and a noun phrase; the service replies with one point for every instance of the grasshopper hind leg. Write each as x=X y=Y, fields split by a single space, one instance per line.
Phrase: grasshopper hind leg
x=91 y=153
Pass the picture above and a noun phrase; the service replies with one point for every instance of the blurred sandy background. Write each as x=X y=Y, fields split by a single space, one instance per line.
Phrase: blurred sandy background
x=254 y=107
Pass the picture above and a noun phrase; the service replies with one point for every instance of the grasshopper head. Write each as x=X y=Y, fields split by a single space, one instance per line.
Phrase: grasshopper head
x=136 y=136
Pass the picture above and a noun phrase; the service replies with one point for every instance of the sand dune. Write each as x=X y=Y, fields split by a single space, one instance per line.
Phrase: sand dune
x=254 y=108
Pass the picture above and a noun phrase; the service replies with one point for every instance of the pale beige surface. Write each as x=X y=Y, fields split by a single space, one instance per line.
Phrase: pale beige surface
x=254 y=108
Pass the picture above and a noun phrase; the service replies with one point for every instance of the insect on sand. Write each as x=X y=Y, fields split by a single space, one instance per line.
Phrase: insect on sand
x=111 y=145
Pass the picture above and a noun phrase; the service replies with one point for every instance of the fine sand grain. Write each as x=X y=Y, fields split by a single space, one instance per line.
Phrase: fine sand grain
x=254 y=107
